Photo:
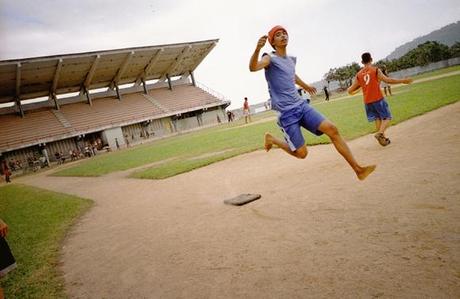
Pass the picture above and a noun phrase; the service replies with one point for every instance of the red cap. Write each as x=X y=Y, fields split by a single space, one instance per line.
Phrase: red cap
x=271 y=33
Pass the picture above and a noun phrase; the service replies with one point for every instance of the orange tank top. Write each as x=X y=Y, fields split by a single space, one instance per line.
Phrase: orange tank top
x=368 y=80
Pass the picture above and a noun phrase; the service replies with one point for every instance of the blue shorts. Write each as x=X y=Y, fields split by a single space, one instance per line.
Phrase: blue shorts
x=378 y=110
x=301 y=116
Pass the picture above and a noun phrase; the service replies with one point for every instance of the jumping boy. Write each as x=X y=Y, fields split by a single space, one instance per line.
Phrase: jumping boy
x=293 y=111
x=377 y=109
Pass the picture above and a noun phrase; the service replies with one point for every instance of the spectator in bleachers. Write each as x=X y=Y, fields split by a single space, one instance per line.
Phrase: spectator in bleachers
x=43 y=162
x=12 y=165
x=87 y=151
x=57 y=157
x=62 y=157
x=94 y=147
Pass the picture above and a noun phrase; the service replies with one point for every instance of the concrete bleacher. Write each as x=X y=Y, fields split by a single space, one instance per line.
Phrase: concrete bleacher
x=182 y=97
x=34 y=126
x=109 y=111
x=73 y=119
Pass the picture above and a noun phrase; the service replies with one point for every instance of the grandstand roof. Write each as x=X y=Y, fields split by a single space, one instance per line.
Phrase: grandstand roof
x=41 y=76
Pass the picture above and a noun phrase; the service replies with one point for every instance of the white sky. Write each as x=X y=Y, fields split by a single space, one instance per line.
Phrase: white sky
x=323 y=33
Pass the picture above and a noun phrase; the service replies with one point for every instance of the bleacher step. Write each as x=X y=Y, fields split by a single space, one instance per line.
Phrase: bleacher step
x=156 y=103
x=62 y=118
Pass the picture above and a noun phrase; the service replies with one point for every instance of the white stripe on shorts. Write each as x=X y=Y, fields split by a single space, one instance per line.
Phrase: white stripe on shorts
x=288 y=139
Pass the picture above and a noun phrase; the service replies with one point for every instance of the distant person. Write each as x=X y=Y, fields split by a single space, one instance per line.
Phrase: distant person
x=229 y=116
x=293 y=112
x=326 y=93
x=62 y=157
x=246 y=111
x=57 y=156
x=7 y=261
x=6 y=171
x=377 y=109
x=384 y=84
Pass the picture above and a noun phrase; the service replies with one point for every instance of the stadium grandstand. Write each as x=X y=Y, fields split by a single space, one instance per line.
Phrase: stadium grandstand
x=109 y=99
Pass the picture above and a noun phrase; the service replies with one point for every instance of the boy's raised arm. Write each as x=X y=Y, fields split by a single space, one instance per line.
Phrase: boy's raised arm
x=255 y=64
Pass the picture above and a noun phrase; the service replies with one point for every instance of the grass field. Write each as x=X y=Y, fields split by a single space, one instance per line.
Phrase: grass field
x=192 y=150
x=38 y=221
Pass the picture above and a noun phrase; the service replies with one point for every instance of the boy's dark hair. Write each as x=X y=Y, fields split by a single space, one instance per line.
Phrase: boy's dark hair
x=366 y=58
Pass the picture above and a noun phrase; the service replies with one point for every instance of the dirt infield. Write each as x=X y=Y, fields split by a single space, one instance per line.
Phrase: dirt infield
x=317 y=232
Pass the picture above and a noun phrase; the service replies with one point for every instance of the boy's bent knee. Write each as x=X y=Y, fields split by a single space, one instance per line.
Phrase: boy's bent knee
x=331 y=130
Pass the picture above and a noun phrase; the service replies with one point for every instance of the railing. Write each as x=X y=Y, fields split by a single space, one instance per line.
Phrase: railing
x=212 y=92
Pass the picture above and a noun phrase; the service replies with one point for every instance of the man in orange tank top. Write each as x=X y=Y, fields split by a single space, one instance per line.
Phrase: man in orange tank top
x=368 y=78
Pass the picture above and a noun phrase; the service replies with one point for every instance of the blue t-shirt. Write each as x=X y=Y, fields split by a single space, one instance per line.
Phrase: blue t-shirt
x=280 y=75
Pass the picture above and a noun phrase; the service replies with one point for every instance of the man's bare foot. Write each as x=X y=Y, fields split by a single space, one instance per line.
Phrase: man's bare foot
x=268 y=141
x=365 y=171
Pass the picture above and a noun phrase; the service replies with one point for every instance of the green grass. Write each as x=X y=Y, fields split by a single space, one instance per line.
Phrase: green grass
x=236 y=138
x=38 y=221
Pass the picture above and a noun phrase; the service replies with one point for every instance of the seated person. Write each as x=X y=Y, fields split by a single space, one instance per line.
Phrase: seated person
x=12 y=165
x=57 y=156
x=62 y=157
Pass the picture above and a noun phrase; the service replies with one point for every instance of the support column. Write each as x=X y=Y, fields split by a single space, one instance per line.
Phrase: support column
x=143 y=85
x=169 y=81
x=88 y=97
x=118 y=92
x=193 y=78
x=21 y=111
x=56 y=104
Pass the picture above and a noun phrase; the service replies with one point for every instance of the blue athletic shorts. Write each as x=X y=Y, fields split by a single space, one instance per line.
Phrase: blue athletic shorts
x=304 y=116
x=378 y=110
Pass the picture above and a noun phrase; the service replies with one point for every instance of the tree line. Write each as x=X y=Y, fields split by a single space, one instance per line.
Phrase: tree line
x=428 y=52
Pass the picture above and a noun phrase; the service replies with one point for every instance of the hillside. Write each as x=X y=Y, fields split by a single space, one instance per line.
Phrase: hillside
x=447 y=35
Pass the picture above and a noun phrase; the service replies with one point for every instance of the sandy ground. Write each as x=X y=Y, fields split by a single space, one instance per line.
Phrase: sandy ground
x=317 y=232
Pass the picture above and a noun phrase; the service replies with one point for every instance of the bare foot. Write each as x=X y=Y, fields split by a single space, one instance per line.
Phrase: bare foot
x=268 y=141
x=365 y=171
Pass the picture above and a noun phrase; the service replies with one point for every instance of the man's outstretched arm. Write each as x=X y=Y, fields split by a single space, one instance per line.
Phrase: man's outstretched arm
x=389 y=80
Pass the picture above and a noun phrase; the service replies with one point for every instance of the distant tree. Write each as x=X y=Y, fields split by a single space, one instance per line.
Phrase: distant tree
x=343 y=75
x=430 y=51
x=455 y=50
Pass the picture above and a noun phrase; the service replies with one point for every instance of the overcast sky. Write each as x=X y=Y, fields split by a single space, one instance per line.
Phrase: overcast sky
x=323 y=33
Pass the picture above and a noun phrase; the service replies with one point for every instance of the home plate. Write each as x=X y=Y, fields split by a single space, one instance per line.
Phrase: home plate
x=242 y=199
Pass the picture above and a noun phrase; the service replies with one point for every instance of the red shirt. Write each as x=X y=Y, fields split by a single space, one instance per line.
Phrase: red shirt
x=368 y=80
x=246 y=105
